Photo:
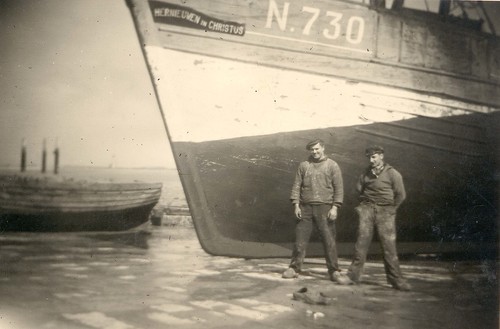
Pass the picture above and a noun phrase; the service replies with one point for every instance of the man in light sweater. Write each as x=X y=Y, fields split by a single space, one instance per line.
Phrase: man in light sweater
x=381 y=192
x=317 y=193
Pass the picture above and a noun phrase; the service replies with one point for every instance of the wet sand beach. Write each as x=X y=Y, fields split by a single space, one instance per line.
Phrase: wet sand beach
x=159 y=277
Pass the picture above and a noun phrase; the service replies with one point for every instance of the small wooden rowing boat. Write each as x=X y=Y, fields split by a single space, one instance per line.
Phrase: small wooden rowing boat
x=52 y=203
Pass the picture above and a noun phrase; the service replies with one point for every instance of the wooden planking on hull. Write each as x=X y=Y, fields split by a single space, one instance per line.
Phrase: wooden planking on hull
x=89 y=220
x=446 y=190
x=38 y=203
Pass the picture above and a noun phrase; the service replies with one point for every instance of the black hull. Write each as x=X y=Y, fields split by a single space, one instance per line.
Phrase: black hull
x=238 y=189
x=239 y=109
x=121 y=220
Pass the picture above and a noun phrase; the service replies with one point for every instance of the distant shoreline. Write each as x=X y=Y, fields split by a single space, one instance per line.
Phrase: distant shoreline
x=104 y=167
x=73 y=167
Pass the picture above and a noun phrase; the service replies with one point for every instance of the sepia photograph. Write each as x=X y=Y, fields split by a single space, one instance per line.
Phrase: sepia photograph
x=249 y=163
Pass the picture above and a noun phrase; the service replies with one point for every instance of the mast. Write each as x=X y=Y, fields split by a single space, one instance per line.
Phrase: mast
x=56 y=159
x=23 y=155
x=44 y=156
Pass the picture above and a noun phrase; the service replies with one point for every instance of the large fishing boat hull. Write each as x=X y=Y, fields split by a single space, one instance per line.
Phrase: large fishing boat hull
x=38 y=204
x=243 y=86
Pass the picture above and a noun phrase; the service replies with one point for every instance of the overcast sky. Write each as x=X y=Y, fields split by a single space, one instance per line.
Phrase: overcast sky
x=73 y=71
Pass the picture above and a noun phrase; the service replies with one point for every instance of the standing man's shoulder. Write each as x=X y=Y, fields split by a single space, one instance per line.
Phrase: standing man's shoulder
x=332 y=162
x=393 y=172
x=391 y=169
x=304 y=163
x=303 y=166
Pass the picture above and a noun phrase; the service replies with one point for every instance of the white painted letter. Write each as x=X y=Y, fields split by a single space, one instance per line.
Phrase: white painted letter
x=335 y=23
x=274 y=10
x=315 y=12
x=360 y=32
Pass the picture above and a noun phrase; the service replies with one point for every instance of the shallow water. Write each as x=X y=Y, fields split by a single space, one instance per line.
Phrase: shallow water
x=159 y=277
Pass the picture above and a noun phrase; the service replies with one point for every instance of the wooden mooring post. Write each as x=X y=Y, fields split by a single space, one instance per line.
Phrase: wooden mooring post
x=23 y=156
x=44 y=156
x=56 y=159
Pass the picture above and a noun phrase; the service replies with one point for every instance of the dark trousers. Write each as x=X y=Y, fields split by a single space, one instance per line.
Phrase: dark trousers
x=317 y=214
x=384 y=218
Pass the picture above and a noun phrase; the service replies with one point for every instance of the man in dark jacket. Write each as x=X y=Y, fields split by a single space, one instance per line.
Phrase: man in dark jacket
x=317 y=193
x=381 y=191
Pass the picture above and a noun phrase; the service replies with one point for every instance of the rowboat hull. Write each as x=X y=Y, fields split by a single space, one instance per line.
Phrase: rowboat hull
x=38 y=204
x=240 y=108
x=71 y=222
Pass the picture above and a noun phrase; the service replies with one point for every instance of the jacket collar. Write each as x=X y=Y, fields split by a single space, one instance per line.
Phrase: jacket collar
x=375 y=172
x=311 y=159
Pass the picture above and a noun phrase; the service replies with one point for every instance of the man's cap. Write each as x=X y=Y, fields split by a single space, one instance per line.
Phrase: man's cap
x=374 y=149
x=314 y=142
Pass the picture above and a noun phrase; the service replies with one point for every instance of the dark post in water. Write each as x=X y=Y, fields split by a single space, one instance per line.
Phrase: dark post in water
x=44 y=157
x=23 y=156
x=56 y=159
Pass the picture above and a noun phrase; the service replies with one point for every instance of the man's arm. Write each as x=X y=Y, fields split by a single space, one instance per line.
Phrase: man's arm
x=338 y=191
x=398 y=188
x=297 y=183
x=359 y=184
x=295 y=195
x=338 y=186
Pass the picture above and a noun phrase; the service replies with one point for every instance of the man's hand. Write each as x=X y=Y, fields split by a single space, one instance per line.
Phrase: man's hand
x=332 y=214
x=298 y=212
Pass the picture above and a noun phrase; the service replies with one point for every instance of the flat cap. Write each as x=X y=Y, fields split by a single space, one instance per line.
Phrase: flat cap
x=374 y=149
x=314 y=142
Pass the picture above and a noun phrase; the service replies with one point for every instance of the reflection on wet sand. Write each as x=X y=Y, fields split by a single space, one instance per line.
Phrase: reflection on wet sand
x=160 y=277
